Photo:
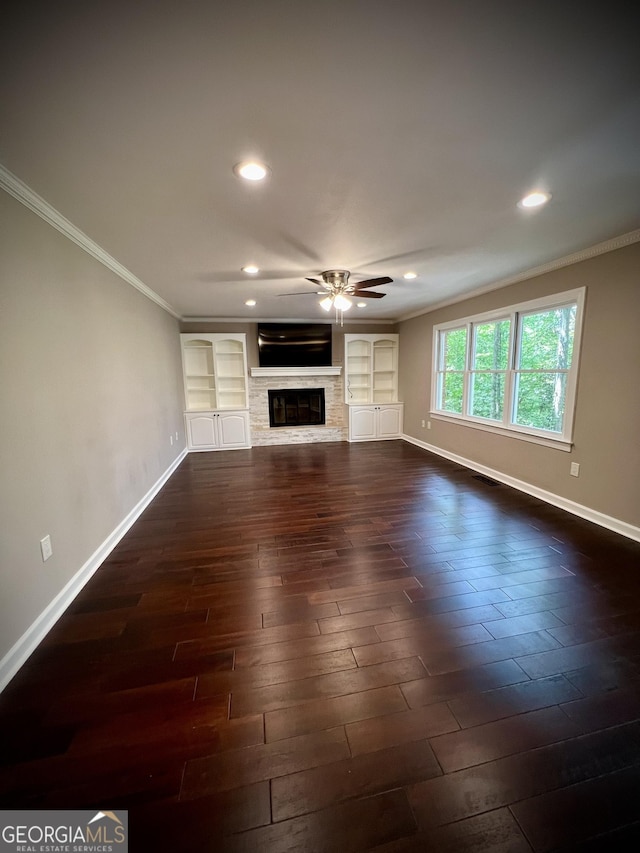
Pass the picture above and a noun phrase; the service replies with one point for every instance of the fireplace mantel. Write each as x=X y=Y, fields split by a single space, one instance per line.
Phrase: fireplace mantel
x=296 y=371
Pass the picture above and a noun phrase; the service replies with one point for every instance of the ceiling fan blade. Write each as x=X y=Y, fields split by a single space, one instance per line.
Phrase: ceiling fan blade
x=372 y=282
x=315 y=281
x=304 y=293
x=373 y=294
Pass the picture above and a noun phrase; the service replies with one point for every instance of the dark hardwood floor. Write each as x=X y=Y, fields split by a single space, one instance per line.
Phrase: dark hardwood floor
x=337 y=648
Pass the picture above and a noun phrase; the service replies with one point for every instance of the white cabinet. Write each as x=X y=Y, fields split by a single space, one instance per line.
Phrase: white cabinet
x=215 y=371
x=217 y=430
x=371 y=368
x=215 y=391
x=375 y=423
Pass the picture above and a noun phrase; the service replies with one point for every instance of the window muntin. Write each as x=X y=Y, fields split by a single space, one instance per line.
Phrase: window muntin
x=514 y=369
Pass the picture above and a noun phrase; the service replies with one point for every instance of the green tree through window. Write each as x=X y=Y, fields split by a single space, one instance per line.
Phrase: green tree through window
x=454 y=349
x=545 y=353
x=489 y=364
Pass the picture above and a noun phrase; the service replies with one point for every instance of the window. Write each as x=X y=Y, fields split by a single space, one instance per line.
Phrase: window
x=489 y=363
x=514 y=370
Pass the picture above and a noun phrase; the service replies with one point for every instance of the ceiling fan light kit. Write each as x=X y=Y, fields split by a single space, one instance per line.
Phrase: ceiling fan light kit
x=339 y=302
x=339 y=291
x=327 y=303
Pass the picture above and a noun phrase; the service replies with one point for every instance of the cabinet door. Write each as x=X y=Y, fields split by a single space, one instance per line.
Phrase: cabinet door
x=201 y=431
x=389 y=421
x=362 y=423
x=233 y=429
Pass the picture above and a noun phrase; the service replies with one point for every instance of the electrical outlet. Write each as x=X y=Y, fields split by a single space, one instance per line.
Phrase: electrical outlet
x=423 y=424
x=428 y=424
x=575 y=469
x=46 y=548
x=176 y=435
x=171 y=440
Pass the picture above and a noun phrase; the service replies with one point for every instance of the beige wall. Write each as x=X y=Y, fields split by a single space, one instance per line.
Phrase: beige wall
x=91 y=390
x=607 y=424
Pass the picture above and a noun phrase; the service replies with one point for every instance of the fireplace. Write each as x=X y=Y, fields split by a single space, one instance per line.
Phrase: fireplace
x=290 y=407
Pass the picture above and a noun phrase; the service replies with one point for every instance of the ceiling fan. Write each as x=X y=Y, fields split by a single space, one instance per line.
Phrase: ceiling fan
x=337 y=290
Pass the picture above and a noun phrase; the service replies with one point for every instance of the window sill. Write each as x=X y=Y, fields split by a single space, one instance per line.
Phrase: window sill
x=555 y=443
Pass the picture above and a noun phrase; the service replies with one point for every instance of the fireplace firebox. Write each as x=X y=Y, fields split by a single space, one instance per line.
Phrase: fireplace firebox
x=296 y=407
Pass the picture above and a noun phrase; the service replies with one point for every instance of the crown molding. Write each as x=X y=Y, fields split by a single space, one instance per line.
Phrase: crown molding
x=566 y=261
x=24 y=194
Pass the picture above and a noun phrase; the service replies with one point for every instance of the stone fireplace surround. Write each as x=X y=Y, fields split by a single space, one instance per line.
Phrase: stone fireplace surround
x=263 y=379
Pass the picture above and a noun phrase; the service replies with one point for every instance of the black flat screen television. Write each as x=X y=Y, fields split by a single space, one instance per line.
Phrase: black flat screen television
x=294 y=344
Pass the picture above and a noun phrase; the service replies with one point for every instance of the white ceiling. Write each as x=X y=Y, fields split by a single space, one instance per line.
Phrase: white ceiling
x=400 y=137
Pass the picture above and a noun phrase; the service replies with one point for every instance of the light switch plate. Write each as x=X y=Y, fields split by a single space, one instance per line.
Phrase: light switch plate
x=46 y=548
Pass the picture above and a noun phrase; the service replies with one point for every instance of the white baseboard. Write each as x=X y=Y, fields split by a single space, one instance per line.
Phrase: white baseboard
x=615 y=524
x=26 y=645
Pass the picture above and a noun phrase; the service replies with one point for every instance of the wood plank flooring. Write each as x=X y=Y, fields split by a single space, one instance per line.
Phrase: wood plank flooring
x=340 y=648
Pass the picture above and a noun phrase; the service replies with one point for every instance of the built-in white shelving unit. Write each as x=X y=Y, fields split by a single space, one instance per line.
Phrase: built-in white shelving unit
x=215 y=385
x=371 y=387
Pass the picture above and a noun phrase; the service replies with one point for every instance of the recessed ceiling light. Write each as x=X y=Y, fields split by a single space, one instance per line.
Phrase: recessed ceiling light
x=250 y=302
x=410 y=275
x=361 y=304
x=251 y=269
x=534 y=199
x=251 y=170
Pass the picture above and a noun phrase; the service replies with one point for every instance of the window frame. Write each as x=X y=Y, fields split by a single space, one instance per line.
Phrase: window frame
x=513 y=313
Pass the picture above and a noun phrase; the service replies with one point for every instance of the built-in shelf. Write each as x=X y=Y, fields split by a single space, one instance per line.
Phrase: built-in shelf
x=296 y=371
x=371 y=369
x=215 y=371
